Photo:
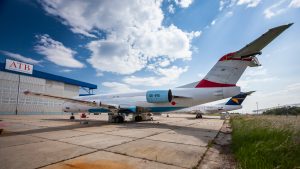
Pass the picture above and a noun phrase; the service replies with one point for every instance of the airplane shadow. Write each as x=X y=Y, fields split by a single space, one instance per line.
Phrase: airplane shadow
x=199 y=133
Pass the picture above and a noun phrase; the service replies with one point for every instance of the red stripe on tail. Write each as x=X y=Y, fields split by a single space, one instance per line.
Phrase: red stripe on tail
x=205 y=83
x=228 y=57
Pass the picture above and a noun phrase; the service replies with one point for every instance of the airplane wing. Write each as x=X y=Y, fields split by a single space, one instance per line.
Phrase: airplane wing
x=83 y=102
x=258 y=44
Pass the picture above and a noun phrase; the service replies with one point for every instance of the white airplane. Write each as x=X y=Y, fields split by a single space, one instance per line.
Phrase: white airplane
x=234 y=103
x=219 y=83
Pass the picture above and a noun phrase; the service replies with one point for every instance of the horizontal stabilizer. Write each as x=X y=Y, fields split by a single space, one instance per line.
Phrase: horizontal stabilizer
x=258 y=44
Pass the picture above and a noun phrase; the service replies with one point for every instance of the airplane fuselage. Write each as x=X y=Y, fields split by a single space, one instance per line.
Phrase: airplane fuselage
x=132 y=101
x=217 y=109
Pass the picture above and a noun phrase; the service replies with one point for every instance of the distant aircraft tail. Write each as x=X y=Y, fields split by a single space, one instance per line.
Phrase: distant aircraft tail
x=228 y=70
x=238 y=99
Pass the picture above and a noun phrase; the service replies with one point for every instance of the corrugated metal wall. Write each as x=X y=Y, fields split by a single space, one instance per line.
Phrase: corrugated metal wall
x=28 y=104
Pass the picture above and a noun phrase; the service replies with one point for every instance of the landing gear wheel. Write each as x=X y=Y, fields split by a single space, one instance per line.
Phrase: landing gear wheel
x=199 y=116
x=72 y=117
x=119 y=119
x=138 y=118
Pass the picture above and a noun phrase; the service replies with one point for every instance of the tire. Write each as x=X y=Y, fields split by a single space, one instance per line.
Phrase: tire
x=199 y=116
x=138 y=118
x=119 y=119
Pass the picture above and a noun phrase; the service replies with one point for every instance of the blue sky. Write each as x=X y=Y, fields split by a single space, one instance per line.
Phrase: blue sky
x=136 y=45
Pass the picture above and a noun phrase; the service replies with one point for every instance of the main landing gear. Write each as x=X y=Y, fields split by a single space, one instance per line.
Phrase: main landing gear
x=198 y=116
x=120 y=117
x=142 y=117
x=116 y=118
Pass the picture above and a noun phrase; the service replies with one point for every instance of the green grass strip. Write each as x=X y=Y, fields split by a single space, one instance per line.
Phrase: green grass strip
x=257 y=144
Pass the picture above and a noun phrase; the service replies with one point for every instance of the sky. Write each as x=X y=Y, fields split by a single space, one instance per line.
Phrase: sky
x=128 y=45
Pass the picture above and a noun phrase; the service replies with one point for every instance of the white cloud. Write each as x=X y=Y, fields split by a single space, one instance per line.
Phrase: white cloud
x=171 y=8
x=222 y=4
x=275 y=9
x=66 y=70
x=134 y=32
x=99 y=73
x=183 y=3
x=253 y=76
x=247 y=83
x=225 y=4
x=201 y=75
x=249 y=3
x=229 y=14
x=259 y=71
x=194 y=34
x=119 y=87
x=56 y=52
x=213 y=22
x=20 y=57
x=164 y=63
x=287 y=95
x=115 y=57
x=166 y=76
x=295 y=4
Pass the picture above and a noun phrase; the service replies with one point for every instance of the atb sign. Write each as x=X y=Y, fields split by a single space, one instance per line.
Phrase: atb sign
x=18 y=66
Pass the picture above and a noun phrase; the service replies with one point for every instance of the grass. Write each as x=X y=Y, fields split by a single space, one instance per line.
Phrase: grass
x=266 y=141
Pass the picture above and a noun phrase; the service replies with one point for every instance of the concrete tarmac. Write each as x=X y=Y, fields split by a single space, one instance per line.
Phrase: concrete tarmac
x=53 y=141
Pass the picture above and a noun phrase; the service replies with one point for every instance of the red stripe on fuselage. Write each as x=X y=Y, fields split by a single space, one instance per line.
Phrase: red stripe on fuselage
x=205 y=83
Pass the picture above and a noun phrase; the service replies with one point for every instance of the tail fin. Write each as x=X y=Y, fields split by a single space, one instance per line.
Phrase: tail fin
x=228 y=70
x=238 y=99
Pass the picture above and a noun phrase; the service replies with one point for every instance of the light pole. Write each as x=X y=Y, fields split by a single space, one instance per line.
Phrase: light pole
x=256 y=108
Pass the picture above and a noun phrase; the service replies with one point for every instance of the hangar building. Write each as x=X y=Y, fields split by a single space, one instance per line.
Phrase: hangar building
x=17 y=77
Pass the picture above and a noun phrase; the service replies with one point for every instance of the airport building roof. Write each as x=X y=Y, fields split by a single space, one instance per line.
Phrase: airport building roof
x=48 y=76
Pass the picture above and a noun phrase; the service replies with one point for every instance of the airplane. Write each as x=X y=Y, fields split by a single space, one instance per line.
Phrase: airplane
x=219 y=83
x=234 y=103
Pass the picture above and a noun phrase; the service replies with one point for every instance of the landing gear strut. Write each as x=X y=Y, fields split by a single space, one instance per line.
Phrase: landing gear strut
x=72 y=117
x=198 y=116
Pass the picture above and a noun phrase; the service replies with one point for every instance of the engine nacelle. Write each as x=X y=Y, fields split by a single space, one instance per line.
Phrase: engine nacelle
x=159 y=96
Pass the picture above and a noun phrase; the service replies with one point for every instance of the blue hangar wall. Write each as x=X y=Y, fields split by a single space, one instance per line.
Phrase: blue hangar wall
x=13 y=84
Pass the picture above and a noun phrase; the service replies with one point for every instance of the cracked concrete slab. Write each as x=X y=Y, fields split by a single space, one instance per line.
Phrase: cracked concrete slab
x=56 y=135
x=39 y=154
x=108 y=160
x=9 y=141
x=98 y=141
x=168 y=153
x=53 y=141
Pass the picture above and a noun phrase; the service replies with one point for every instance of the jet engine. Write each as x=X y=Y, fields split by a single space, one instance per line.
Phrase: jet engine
x=159 y=96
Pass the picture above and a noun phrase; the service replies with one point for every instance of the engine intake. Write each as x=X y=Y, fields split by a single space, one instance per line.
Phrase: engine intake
x=159 y=96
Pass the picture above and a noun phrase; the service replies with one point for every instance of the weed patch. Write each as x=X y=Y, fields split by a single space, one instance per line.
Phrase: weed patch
x=257 y=143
